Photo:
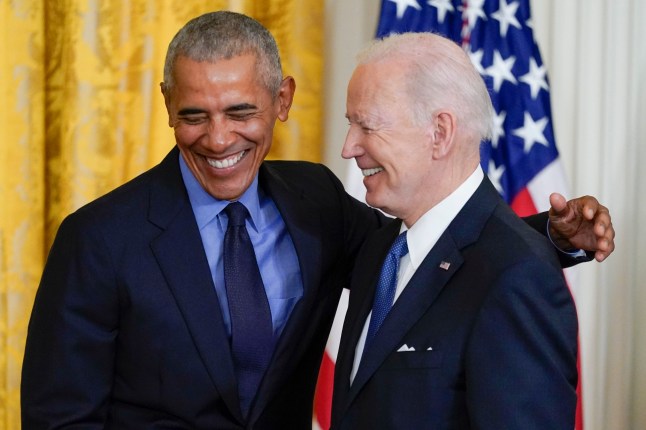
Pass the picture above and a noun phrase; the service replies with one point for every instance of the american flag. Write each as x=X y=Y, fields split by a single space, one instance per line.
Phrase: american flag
x=521 y=159
x=499 y=38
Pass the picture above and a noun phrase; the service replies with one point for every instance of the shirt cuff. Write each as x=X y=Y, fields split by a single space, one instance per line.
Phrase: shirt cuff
x=576 y=254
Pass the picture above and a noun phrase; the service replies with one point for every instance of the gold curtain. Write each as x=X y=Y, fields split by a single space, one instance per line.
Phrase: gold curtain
x=82 y=113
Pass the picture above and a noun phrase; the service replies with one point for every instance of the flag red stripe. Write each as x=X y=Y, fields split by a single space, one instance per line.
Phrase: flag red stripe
x=323 y=396
x=523 y=204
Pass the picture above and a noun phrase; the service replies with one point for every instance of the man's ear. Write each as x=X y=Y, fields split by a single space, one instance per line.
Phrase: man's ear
x=286 y=97
x=166 y=93
x=444 y=125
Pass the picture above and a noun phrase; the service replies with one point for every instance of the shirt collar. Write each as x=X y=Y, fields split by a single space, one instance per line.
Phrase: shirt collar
x=427 y=230
x=206 y=207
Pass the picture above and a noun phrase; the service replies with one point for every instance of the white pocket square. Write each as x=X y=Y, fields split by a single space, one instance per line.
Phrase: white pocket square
x=406 y=348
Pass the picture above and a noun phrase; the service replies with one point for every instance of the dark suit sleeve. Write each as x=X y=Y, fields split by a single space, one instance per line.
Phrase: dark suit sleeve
x=539 y=223
x=68 y=366
x=521 y=370
x=359 y=221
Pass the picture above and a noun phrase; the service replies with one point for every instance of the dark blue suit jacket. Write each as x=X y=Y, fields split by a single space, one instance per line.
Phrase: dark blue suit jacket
x=126 y=331
x=495 y=333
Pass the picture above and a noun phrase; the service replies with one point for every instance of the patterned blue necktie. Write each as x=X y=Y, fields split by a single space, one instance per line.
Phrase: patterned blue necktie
x=385 y=294
x=251 y=326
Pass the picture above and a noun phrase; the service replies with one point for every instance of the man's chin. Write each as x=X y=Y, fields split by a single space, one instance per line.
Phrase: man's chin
x=372 y=200
x=227 y=193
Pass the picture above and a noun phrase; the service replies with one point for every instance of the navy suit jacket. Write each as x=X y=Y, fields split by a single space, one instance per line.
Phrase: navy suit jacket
x=494 y=333
x=127 y=333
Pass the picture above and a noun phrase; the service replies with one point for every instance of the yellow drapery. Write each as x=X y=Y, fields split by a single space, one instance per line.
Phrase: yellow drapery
x=82 y=113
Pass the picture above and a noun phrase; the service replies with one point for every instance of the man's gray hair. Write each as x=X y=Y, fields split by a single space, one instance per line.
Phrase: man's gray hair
x=440 y=75
x=223 y=35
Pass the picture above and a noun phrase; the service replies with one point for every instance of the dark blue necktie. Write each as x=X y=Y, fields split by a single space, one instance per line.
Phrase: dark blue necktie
x=385 y=294
x=251 y=326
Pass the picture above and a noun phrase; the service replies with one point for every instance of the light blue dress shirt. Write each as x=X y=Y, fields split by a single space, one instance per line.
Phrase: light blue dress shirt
x=272 y=244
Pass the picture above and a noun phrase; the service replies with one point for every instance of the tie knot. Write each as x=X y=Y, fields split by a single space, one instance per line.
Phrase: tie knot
x=237 y=214
x=400 y=246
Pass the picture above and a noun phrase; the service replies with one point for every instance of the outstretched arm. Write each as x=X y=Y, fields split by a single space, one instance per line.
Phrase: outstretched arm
x=581 y=223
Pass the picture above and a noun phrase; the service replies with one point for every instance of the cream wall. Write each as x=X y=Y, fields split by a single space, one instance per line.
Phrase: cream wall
x=350 y=24
x=596 y=61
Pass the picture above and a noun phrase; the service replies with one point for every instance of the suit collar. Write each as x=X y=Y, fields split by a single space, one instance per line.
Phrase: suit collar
x=188 y=276
x=189 y=279
x=167 y=192
x=360 y=303
x=430 y=226
x=420 y=293
x=302 y=219
x=303 y=222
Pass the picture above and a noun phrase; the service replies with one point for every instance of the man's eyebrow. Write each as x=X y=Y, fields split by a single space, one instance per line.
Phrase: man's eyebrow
x=230 y=109
x=241 y=106
x=190 y=111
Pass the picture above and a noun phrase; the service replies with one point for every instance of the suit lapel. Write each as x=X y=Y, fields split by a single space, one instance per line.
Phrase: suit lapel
x=420 y=293
x=180 y=255
x=360 y=303
x=303 y=222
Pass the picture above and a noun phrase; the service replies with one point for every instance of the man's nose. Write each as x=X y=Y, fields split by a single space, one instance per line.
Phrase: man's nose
x=221 y=132
x=352 y=147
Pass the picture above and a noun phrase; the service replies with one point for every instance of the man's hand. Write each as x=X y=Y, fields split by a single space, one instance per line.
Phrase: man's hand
x=581 y=223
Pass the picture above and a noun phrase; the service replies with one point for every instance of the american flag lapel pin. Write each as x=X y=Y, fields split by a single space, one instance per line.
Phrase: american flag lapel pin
x=445 y=265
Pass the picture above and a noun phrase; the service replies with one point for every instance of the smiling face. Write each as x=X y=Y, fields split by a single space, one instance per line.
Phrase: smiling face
x=223 y=117
x=393 y=152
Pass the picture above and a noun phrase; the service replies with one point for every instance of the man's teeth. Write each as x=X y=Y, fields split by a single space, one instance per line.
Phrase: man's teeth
x=370 y=172
x=223 y=164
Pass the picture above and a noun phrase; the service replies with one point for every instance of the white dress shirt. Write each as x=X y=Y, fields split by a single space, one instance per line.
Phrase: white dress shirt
x=421 y=238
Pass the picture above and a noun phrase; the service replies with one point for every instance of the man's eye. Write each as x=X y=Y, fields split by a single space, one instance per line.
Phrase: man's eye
x=241 y=116
x=363 y=127
x=192 y=120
